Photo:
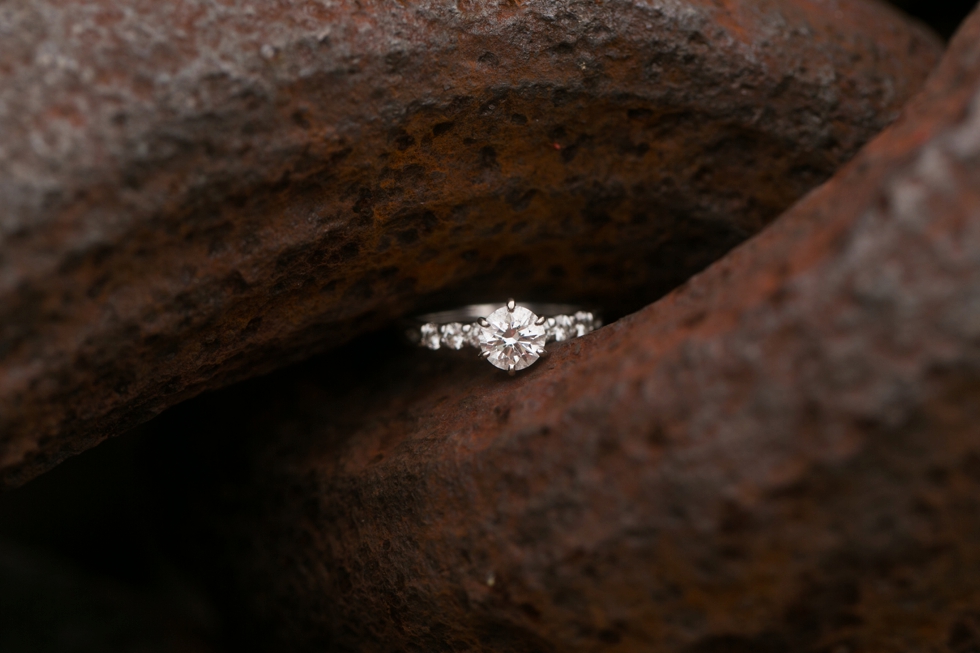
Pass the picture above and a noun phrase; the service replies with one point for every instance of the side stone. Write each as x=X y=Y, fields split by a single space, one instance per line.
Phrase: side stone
x=431 y=337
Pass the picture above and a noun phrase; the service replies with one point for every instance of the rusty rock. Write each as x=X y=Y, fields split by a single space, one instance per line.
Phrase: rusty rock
x=781 y=455
x=196 y=193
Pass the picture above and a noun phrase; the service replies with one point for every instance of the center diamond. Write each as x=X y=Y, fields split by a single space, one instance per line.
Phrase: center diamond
x=511 y=340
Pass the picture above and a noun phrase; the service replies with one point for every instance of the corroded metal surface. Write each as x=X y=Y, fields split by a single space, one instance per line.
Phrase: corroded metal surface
x=196 y=192
x=781 y=455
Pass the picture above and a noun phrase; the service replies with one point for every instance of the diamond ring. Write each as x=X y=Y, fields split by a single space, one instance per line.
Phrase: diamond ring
x=512 y=337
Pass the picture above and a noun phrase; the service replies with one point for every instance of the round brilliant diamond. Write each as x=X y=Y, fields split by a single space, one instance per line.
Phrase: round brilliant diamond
x=511 y=340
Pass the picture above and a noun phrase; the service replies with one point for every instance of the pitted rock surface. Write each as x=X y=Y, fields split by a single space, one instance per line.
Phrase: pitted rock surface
x=194 y=193
x=781 y=455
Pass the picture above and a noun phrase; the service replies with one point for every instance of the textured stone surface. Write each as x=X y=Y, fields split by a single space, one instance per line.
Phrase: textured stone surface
x=196 y=192
x=781 y=455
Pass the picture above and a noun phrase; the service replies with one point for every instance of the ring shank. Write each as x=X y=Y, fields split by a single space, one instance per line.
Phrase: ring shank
x=474 y=312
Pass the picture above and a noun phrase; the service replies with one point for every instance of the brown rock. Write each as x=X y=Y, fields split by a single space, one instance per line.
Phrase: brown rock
x=782 y=455
x=194 y=194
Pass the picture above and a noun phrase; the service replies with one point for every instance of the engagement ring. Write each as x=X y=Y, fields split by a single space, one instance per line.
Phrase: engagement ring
x=511 y=337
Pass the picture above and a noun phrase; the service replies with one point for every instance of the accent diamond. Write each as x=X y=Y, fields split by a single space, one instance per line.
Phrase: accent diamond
x=471 y=335
x=430 y=336
x=561 y=327
x=453 y=335
x=583 y=323
x=512 y=340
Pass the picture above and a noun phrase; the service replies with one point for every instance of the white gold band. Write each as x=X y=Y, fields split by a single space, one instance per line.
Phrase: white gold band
x=473 y=312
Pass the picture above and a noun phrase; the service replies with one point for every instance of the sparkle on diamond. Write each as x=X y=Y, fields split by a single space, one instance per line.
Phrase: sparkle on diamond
x=513 y=338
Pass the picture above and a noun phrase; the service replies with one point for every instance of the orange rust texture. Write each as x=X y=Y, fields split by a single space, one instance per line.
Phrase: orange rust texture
x=197 y=193
x=781 y=455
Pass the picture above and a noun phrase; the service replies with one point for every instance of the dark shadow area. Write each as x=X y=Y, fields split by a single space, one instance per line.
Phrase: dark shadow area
x=80 y=569
x=944 y=16
x=106 y=552
x=194 y=458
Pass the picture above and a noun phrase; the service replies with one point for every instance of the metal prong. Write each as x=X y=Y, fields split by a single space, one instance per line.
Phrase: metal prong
x=484 y=353
x=541 y=320
x=511 y=370
x=483 y=322
x=511 y=305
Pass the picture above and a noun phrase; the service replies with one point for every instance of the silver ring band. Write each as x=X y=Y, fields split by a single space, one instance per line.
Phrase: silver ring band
x=474 y=312
x=511 y=337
